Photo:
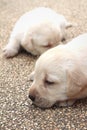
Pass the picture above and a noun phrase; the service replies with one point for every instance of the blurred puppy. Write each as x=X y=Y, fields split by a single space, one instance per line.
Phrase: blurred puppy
x=60 y=74
x=37 y=31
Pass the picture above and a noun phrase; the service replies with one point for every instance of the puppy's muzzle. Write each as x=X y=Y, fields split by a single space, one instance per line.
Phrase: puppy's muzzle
x=32 y=97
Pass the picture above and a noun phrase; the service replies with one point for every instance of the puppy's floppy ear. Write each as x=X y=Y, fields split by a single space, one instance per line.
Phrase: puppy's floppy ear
x=27 y=42
x=76 y=82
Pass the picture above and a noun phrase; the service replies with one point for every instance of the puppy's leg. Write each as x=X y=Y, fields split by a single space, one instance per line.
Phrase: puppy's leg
x=31 y=77
x=66 y=103
x=12 y=48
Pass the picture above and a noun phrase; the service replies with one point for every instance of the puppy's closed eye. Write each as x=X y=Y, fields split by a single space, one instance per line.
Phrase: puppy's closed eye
x=51 y=80
x=47 y=82
x=47 y=44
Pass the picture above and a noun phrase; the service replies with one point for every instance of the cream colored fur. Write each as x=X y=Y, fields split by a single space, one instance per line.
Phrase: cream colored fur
x=60 y=74
x=36 y=31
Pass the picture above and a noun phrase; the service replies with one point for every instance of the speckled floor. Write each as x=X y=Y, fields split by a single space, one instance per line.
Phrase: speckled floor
x=16 y=110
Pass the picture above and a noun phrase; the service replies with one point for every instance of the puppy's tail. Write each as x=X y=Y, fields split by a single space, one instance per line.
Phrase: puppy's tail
x=69 y=24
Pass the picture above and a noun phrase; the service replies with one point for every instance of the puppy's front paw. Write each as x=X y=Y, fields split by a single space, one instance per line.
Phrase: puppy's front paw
x=66 y=103
x=9 y=52
x=31 y=76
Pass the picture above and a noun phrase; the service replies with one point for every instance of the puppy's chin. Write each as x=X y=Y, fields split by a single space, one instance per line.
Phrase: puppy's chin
x=43 y=103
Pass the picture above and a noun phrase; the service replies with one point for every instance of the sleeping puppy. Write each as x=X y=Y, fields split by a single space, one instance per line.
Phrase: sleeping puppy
x=60 y=74
x=37 y=31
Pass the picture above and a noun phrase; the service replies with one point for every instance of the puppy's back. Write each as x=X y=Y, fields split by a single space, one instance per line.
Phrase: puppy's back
x=78 y=43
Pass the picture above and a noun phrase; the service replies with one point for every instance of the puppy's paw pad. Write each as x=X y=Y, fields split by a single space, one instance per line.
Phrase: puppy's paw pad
x=66 y=103
x=63 y=104
x=8 y=52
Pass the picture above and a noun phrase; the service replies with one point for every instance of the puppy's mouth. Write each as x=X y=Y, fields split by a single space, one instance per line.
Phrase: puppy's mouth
x=42 y=103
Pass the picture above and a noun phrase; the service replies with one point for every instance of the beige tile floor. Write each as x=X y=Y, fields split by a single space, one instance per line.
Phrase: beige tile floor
x=16 y=111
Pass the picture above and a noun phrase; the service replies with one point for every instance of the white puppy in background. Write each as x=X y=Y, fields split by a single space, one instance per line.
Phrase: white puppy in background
x=60 y=74
x=37 y=31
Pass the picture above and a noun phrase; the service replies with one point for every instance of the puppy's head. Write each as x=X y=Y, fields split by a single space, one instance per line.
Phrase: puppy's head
x=55 y=78
x=43 y=37
x=49 y=83
x=44 y=91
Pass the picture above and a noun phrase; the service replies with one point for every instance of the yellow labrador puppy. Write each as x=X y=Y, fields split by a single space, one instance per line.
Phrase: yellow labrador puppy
x=60 y=74
x=37 y=31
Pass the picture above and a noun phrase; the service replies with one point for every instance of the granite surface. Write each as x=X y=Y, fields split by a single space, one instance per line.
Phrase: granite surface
x=16 y=110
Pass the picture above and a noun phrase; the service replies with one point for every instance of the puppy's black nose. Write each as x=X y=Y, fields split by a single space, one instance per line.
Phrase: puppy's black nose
x=32 y=97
